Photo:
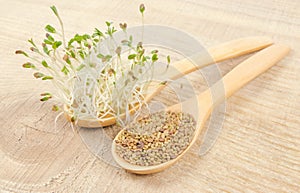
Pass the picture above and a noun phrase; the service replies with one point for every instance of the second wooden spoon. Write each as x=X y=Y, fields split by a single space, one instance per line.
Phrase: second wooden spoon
x=201 y=106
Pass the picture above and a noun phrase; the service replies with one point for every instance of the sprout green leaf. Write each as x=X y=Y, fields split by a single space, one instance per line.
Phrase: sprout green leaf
x=131 y=56
x=168 y=59
x=46 y=94
x=97 y=33
x=45 y=98
x=118 y=50
x=56 y=44
x=45 y=64
x=50 y=29
x=49 y=37
x=21 y=52
x=38 y=75
x=100 y=55
x=53 y=8
x=80 y=67
x=55 y=108
x=47 y=78
x=142 y=8
x=65 y=70
x=154 y=57
x=123 y=26
x=32 y=43
x=108 y=23
x=45 y=49
x=46 y=41
x=28 y=65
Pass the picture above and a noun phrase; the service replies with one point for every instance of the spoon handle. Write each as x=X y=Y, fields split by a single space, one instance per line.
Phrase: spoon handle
x=239 y=47
x=219 y=53
x=253 y=67
x=244 y=73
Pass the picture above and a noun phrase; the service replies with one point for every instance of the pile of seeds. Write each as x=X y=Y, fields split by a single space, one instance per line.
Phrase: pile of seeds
x=156 y=139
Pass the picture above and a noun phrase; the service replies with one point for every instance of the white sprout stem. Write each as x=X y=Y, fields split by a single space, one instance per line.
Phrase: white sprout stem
x=62 y=31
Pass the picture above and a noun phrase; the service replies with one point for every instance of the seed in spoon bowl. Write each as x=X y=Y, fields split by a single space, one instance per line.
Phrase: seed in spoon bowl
x=156 y=138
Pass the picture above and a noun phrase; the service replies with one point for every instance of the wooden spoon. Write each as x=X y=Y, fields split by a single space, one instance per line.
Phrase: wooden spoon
x=218 y=53
x=202 y=105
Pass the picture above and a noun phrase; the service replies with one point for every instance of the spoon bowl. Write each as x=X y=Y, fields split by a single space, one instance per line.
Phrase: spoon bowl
x=202 y=105
x=218 y=53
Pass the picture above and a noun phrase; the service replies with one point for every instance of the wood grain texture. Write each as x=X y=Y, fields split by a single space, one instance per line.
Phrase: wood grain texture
x=258 y=149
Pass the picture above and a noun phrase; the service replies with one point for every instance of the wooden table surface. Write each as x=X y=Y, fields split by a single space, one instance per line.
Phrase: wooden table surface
x=258 y=149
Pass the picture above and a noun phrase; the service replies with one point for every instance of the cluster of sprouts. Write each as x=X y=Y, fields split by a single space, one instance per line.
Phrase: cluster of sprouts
x=93 y=75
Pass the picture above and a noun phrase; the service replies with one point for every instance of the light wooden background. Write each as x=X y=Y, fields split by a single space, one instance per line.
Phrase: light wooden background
x=258 y=149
